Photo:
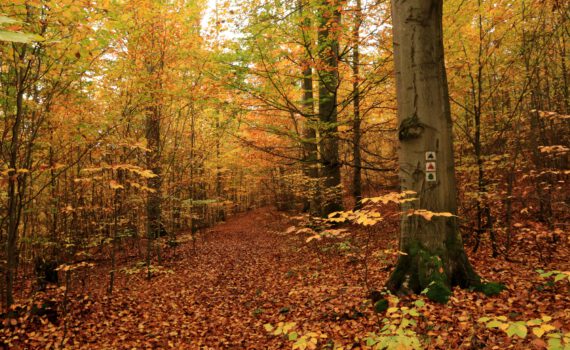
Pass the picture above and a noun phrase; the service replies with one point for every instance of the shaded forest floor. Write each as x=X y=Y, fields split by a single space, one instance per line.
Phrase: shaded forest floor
x=255 y=270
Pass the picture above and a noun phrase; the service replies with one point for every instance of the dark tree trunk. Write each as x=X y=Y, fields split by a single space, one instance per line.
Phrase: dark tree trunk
x=310 y=151
x=15 y=186
x=357 y=175
x=153 y=163
x=329 y=27
x=153 y=154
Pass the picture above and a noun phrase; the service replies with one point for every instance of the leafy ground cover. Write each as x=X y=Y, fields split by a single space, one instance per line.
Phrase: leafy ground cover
x=264 y=281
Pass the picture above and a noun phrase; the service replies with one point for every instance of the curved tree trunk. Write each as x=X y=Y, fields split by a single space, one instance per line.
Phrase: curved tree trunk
x=435 y=256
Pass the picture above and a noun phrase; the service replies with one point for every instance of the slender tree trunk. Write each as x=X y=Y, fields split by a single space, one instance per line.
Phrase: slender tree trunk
x=114 y=242
x=357 y=175
x=310 y=161
x=153 y=154
x=564 y=69
x=15 y=184
x=193 y=224
x=153 y=163
x=329 y=27
x=310 y=166
x=220 y=209
x=483 y=209
x=435 y=255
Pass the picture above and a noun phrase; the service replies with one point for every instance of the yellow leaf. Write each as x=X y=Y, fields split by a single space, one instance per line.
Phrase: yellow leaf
x=503 y=326
x=547 y=327
x=538 y=331
x=391 y=309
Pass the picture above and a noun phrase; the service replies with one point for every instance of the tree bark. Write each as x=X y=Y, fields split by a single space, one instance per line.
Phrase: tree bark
x=154 y=64
x=357 y=163
x=153 y=208
x=15 y=186
x=16 y=180
x=310 y=151
x=435 y=256
x=328 y=53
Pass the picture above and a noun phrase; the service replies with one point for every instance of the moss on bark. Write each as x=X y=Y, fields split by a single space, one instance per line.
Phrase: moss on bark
x=436 y=272
x=490 y=288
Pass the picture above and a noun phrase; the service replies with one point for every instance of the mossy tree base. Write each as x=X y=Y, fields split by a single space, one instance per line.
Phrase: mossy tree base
x=433 y=272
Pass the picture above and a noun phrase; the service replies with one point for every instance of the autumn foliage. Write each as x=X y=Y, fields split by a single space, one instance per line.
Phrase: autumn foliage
x=224 y=174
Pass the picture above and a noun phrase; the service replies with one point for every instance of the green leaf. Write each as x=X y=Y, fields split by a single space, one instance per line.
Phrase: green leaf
x=414 y=313
x=420 y=303
x=494 y=324
x=483 y=319
x=554 y=344
x=381 y=305
x=293 y=336
x=8 y=20
x=519 y=329
x=301 y=343
x=19 y=37
x=535 y=322
x=370 y=341
x=268 y=327
x=560 y=277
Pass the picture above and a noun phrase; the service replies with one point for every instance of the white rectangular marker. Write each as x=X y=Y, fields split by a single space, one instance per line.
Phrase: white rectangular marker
x=430 y=166
x=430 y=156
x=430 y=176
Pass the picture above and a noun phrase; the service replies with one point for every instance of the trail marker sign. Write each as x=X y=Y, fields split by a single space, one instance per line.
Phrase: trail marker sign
x=430 y=156
x=430 y=176
x=430 y=166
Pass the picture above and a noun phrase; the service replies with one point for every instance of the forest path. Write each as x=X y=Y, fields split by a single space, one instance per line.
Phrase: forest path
x=243 y=275
x=249 y=272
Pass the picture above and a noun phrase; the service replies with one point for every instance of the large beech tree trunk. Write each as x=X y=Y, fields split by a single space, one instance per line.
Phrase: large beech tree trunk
x=435 y=256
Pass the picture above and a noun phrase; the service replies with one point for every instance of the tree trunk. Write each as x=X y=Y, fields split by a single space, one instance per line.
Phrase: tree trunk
x=220 y=209
x=357 y=175
x=16 y=183
x=310 y=155
x=435 y=256
x=153 y=163
x=329 y=27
